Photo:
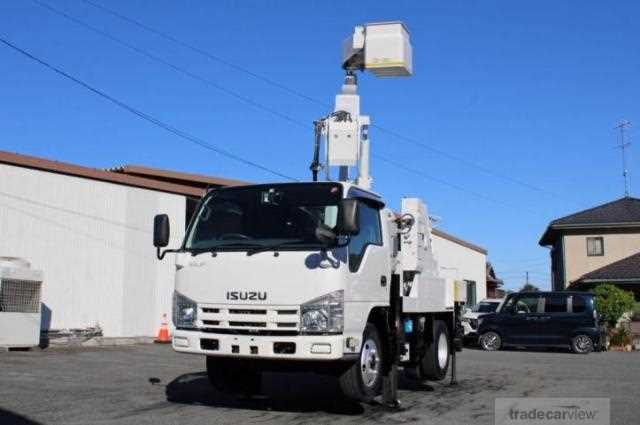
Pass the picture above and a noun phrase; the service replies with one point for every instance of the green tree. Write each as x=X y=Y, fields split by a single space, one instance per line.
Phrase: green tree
x=612 y=302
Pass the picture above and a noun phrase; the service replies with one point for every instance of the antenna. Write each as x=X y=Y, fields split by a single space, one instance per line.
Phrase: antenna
x=624 y=144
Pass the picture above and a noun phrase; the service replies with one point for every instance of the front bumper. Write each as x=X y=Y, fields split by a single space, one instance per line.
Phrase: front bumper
x=307 y=347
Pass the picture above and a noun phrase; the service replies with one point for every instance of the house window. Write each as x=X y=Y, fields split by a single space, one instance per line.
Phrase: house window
x=595 y=247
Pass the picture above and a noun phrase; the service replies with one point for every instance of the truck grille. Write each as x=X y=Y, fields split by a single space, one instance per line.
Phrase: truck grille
x=248 y=320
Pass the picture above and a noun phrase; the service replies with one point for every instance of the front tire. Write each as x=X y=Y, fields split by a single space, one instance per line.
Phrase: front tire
x=435 y=363
x=490 y=341
x=233 y=377
x=581 y=344
x=362 y=381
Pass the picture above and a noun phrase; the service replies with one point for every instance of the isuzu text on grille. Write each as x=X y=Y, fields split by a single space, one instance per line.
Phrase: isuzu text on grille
x=246 y=296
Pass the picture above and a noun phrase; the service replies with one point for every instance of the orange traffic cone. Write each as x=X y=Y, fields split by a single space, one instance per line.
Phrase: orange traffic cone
x=163 y=332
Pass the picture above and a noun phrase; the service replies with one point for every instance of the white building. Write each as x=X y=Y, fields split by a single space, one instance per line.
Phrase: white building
x=90 y=231
x=463 y=261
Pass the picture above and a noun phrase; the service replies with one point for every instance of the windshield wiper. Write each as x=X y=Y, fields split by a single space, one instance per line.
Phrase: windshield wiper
x=273 y=247
x=214 y=249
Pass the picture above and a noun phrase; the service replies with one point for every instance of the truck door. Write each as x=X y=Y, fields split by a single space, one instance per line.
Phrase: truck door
x=368 y=258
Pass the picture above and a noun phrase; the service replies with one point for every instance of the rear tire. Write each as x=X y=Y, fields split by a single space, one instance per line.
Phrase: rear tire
x=581 y=344
x=435 y=363
x=490 y=341
x=233 y=377
x=362 y=381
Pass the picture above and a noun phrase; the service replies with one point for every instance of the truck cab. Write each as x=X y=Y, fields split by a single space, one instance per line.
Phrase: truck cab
x=254 y=265
x=289 y=271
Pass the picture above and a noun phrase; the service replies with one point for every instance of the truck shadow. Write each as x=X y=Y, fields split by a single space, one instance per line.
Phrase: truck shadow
x=282 y=392
x=9 y=417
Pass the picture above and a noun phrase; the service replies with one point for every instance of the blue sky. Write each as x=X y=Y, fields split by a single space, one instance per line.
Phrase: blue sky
x=531 y=90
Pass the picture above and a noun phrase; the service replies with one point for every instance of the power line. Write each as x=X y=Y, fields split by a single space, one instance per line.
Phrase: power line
x=144 y=116
x=301 y=95
x=446 y=183
x=253 y=103
x=246 y=100
x=206 y=54
x=176 y=68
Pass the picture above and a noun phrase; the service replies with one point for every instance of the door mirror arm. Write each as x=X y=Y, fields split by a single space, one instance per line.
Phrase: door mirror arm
x=160 y=254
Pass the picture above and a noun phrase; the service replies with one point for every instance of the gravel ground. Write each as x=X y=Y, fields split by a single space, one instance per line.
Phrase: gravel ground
x=150 y=384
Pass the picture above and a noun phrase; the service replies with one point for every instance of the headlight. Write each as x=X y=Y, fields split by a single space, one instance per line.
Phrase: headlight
x=324 y=314
x=185 y=311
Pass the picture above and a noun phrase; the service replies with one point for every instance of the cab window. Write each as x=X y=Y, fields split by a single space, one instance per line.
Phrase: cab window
x=370 y=234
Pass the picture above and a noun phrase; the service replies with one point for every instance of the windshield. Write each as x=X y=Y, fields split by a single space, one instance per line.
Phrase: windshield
x=285 y=215
x=485 y=307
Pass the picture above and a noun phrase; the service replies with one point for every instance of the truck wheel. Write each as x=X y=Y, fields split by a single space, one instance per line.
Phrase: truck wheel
x=233 y=377
x=362 y=381
x=435 y=363
x=581 y=344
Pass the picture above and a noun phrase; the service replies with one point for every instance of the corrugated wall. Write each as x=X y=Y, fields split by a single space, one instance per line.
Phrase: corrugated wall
x=93 y=240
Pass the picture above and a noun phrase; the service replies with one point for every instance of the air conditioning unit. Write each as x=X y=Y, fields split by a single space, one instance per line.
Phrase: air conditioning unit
x=20 y=288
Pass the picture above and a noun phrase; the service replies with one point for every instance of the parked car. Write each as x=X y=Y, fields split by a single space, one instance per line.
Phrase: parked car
x=471 y=316
x=550 y=319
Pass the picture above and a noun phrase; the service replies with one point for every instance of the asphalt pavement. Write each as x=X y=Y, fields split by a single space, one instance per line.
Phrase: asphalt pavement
x=150 y=384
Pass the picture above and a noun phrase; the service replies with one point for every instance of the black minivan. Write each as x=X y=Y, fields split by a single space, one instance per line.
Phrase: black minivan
x=552 y=319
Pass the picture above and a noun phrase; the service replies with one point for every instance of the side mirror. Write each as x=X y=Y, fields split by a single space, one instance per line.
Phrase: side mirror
x=348 y=217
x=325 y=235
x=161 y=231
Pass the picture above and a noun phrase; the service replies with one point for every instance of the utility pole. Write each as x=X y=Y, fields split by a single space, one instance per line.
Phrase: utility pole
x=624 y=144
x=527 y=278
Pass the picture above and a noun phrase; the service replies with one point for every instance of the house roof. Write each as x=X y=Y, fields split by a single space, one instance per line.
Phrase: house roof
x=450 y=237
x=491 y=276
x=627 y=269
x=95 y=174
x=623 y=212
x=187 y=179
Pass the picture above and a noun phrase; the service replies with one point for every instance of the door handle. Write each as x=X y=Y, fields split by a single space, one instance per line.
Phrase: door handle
x=383 y=281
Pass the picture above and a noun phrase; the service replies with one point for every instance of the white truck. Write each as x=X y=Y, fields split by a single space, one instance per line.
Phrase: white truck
x=317 y=276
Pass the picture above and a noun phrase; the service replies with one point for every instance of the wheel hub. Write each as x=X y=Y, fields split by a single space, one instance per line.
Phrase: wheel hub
x=369 y=363
x=443 y=351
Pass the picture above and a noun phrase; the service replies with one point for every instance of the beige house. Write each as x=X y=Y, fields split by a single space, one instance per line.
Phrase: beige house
x=598 y=245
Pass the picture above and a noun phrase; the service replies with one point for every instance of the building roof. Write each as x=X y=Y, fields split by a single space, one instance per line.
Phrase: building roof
x=623 y=212
x=187 y=179
x=449 y=237
x=627 y=269
x=95 y=174
x=186 y=184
